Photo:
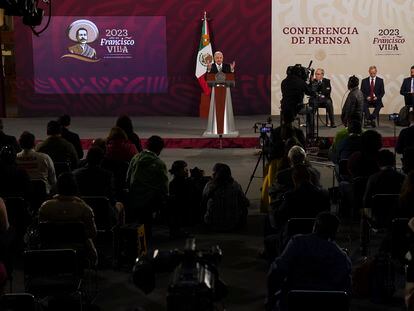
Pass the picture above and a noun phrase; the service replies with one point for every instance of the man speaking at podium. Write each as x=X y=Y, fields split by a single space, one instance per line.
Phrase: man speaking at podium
x=219 y=66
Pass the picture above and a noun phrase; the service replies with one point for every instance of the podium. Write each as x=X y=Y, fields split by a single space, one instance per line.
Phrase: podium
x=220 y=117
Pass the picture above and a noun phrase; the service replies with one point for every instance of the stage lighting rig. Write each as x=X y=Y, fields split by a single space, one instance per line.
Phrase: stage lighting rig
x=29 y=10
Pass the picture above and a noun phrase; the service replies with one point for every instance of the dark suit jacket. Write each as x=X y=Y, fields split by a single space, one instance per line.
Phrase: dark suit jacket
x=8 y=140
x=323 y=88
x=405 y=139
x=74 y=139
x=406 y=91
x=225 y=68
x=378 y=89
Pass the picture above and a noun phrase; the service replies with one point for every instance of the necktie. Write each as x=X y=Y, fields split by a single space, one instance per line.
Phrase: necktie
x=371 y=91
x=219 y=67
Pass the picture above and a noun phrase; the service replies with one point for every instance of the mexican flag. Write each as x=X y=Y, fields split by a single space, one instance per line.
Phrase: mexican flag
x=205 y=54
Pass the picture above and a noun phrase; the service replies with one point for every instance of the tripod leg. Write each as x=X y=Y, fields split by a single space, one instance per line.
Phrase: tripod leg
x=254 y=171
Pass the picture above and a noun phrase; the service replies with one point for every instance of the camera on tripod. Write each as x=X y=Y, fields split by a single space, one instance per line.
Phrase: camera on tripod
x=394 y=117
x=195 y=284
x=305 y=73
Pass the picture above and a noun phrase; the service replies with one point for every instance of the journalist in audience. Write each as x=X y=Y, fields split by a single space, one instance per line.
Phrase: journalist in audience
x=118 y=147
x=93 y=180
x=8 y=140
x=14 y=181
x=125 y=123
x=147 y=180
x=406 y=136
x=407 y=195
x=386 y=181
x=70 y=136
x=224 y=201
x=66 y=206
x=309 y=262
x=37 y=164
x=58 y=148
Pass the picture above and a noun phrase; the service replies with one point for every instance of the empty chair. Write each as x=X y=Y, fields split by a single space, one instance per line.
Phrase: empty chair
x=299 y=300
x=51 y=272
x=17 y=302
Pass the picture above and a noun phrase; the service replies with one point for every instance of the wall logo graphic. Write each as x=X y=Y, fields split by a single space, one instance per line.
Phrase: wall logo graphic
x=83 y=32
x=389 y=41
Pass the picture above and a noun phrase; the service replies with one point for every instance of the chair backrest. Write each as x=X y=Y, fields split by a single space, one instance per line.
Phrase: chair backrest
x=299 y=226
x=299 y=300
x=103 y=211
x=61 y=167
x=49 y=262
x=62 y=234
x=401 y=238
x=17 y=302
x=383 y=208
x=38 y=193
x=18 y=213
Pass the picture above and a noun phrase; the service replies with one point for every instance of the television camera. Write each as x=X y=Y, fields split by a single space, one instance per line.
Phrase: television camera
x=305 y=73
x=195 y=283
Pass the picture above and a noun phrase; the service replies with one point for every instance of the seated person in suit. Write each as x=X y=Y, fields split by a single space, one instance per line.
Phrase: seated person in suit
x=373 y=89
x=406 y=136
x=322 y=95
x=309 y=262
x=407 y=89
x=219 y=66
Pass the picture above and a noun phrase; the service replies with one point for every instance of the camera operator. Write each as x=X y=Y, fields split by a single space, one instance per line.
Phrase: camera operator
x=321 y=97
x=294 y=87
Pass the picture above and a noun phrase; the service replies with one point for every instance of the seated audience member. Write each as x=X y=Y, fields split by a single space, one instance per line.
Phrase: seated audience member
x=296 y=156
x=118 y=147
x=8 y=140
x=224 y=201
x=198 y=182
x=4 y=244
x=147 y=181
x=98 y=142
x=58 y=148
x=406 y=136
x=125 y=123
x=280 y=135
x=180 y=204
x=348 y=145
x=306 y=200
x=13 y=180
x=386 y=181
x=309 y=262
x=66 y=206
x=407 y=195
x=339 y=137
x=70 y=136
x=38 y=165
x=408 y=160
x=364 y=163
x=93 y=180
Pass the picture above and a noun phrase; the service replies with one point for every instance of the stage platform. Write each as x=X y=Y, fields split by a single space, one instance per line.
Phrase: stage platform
x=178 y=132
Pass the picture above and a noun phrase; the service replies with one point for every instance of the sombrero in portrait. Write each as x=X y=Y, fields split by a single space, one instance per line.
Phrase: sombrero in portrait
x=90 y=27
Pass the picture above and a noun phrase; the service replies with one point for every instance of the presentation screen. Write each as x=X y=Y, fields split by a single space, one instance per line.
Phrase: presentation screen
x=101 y=55
x=344 y=38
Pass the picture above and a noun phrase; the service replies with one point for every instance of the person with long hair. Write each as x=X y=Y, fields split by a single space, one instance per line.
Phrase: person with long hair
x=224 y=201
x=125 y=123
x=118 y=147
